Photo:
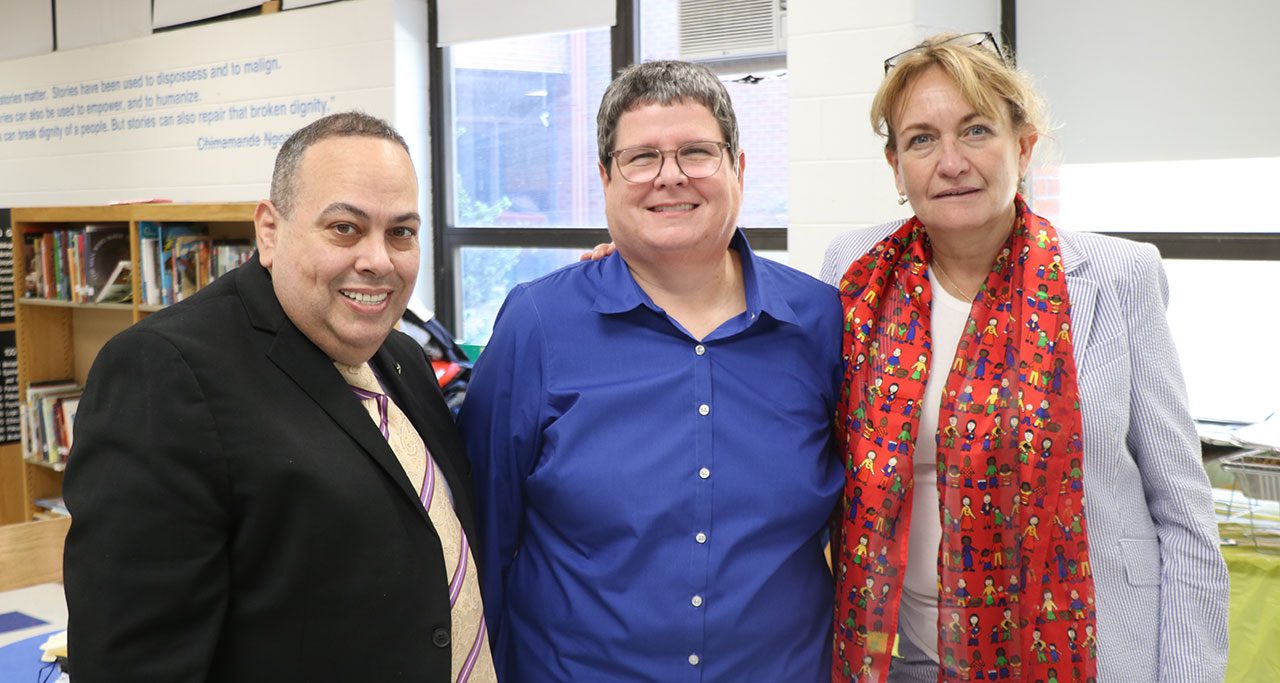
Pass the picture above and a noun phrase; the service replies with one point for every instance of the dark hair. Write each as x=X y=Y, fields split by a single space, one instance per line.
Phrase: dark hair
x=284 y=179
x=663 y=82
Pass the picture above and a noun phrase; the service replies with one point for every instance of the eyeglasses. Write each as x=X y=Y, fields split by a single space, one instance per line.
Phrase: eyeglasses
x=980 y=39
x=694 y=159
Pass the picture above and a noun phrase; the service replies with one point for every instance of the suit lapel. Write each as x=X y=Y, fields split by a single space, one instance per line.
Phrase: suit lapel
x=1082 y=291
x=434 y=426
x=314 y=373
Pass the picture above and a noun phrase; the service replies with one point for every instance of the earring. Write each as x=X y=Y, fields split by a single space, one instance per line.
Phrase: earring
x=902 y=199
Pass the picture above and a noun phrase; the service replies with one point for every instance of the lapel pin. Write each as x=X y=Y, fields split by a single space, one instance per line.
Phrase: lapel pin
x=397 y=368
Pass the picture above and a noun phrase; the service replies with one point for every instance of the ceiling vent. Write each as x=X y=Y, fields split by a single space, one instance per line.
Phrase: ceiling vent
x=732 y=29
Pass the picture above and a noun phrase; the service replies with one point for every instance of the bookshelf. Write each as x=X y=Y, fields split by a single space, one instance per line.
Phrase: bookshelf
x=58 y=339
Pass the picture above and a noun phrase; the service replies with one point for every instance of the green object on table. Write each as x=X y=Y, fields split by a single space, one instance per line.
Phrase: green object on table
x=1255 y=602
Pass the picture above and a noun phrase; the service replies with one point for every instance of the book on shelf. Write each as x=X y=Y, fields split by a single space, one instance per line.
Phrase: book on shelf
x=54 y=506
x=72 y=244
x=59 y=252
x=190 y=261
x=24 y=427
x=179 y=259
x=74 y=264
x=65 y=412
x=34 y=281
x=228 y=255
x=118 y=288
x=57 y=431
x=104 y=246
x=47 y=420
x=47 y=251
x=149 y=256
x=83 y=265
x=169 y=235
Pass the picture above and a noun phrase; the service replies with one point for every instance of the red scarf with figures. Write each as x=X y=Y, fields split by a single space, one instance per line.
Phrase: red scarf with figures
x=1016 y=598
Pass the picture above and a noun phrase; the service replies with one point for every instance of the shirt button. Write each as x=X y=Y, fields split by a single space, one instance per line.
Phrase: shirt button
x=700 y=537
x=440 y=637
x=704 y=473
x=694 y=659
x=704 y=409
x=700 y=349
x=696 y=601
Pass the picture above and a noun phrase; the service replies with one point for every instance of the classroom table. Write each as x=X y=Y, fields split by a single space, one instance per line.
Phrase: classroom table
x=28 y=616
x=1255 y=605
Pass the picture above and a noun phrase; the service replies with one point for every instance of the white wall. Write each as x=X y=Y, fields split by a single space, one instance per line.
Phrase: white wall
x=261 y=79
x=161 y=140
x=835 y=56
x=409 y=113
x=1156 y=80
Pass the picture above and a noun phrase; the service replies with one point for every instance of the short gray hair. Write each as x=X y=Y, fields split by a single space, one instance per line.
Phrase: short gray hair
x=663 y=82
x=284 y=180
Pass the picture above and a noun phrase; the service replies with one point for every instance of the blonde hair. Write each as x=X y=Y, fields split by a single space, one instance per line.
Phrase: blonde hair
x=982 y=76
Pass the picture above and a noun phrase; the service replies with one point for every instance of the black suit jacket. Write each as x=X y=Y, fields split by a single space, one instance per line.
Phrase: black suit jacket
x=236 y=515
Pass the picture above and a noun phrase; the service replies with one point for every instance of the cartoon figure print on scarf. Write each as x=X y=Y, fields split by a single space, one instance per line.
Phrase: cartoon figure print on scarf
x=1016 y=593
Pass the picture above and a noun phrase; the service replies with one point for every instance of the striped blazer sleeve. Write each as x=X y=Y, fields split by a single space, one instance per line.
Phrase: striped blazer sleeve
x=1194 y=590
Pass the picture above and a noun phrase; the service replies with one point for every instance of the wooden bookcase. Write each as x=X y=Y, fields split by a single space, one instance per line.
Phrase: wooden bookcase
x=59 y=339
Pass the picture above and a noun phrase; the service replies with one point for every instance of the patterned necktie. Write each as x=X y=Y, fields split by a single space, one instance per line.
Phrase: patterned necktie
x=472 y=660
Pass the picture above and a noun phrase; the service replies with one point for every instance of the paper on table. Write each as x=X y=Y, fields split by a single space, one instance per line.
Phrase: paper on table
x=1265 y=434
x=54 y=647
x=1217 y=433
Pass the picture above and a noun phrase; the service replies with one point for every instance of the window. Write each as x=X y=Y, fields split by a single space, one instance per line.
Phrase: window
x=1226 y=335
x=1154 y=144
x=521 y=152
x=515 y=159
x=524 y=130
x=758 y=88
x=1222 y=259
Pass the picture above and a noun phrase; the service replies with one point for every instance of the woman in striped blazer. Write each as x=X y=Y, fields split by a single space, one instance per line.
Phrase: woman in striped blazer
x=1025 y=498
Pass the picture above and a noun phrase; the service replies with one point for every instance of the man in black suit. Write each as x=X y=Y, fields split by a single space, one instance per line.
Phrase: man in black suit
x=237 y=515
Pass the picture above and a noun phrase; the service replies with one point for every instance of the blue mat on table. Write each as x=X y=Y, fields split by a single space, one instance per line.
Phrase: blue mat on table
x=20 y=661
x=13 y=621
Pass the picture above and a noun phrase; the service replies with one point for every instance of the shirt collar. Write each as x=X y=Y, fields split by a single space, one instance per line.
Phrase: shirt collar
x=619 y=292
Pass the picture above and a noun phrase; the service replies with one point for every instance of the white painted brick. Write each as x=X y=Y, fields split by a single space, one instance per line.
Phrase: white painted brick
x=845 y=63
x=957 y=16
x=806 y=244
x=838 y=176
x=814 y=65
x=823 y=16
x=841 y=192
x=845 y=129
x=806 y=139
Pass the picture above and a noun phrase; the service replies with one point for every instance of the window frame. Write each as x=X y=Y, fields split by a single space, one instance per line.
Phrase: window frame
x=1205 y=246
x=449 y=239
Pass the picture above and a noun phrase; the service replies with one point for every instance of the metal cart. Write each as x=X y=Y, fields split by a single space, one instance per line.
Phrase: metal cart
x=1257 y=476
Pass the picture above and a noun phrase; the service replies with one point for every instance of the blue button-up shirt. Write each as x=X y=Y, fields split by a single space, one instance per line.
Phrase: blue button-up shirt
x=651 y=505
